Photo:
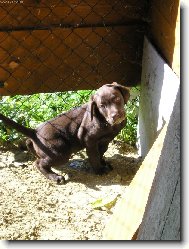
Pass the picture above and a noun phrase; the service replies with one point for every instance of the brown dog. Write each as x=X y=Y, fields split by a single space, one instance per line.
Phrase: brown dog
x=92 y=126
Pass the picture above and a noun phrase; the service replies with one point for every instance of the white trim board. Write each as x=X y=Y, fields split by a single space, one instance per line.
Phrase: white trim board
x=159 y=87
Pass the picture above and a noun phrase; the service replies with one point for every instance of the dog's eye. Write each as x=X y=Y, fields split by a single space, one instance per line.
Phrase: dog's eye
x=117 y=99
x=102 y=106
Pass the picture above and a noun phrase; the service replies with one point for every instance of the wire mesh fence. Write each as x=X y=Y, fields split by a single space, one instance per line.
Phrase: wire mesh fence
x=50 y=46
x=61 y=47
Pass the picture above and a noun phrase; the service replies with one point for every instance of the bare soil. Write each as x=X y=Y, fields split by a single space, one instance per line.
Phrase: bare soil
x=34 y=208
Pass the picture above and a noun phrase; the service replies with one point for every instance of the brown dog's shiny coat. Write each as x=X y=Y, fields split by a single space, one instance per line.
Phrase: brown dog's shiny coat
x=92 y=126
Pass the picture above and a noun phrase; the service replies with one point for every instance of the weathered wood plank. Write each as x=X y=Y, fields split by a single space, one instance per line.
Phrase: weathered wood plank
x=165 y=30
x=129 y=211
x=172 y=229
x=161 y=220
x=69 y=59
x=155 y=105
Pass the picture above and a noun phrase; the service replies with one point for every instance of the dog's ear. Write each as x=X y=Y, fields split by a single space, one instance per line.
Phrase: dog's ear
x=125 y=91
x=87 y=118
x=92 y=106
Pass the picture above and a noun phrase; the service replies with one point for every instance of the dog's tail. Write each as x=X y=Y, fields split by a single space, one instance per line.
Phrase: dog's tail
x=28 y=132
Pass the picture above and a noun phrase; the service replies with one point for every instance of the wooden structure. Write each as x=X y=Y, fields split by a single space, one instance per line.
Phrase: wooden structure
x=162 y=218
x=131 y=207
x=50 y=46
x=164 y=30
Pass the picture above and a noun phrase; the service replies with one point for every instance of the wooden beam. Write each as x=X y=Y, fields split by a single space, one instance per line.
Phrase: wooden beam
x=165 y=30
x=162 y=216
x=129 y=211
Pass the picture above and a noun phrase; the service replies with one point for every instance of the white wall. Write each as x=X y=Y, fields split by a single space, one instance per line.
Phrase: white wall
x=159 y=86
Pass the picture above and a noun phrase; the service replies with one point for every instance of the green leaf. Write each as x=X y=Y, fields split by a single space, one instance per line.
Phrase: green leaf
x=106 y=202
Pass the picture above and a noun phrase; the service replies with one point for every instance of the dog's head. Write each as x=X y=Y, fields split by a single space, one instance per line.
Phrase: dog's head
x=110 y=100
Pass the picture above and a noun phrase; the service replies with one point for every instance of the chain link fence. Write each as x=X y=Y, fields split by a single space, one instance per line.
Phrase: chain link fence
x=64 y=50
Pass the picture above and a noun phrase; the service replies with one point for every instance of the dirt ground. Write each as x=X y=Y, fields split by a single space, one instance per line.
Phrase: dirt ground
x=34 y=208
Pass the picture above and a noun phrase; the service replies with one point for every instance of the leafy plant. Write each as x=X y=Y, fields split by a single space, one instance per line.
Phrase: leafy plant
x=30 y=110
x=129 y=132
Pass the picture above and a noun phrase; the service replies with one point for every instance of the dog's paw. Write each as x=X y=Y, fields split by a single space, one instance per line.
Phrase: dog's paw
x=107 y=165
x=60 y=180
x=57 y=178
x=100 y=171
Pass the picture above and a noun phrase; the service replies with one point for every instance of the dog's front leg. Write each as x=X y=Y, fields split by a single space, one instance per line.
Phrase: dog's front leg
x=102 y=149
x=95 y=158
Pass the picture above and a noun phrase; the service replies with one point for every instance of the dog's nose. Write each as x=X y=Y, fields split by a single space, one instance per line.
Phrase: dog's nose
x=115 y=118
x=115 y=115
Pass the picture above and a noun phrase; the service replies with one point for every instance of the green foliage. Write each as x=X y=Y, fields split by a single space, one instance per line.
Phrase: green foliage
x=33 y=109
x=129 y=133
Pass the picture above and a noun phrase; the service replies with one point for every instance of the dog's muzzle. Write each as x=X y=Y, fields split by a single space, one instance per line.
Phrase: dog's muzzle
x=116 y=121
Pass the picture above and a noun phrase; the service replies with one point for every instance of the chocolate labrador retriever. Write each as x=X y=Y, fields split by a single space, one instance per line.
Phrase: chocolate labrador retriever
x=91 y=126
